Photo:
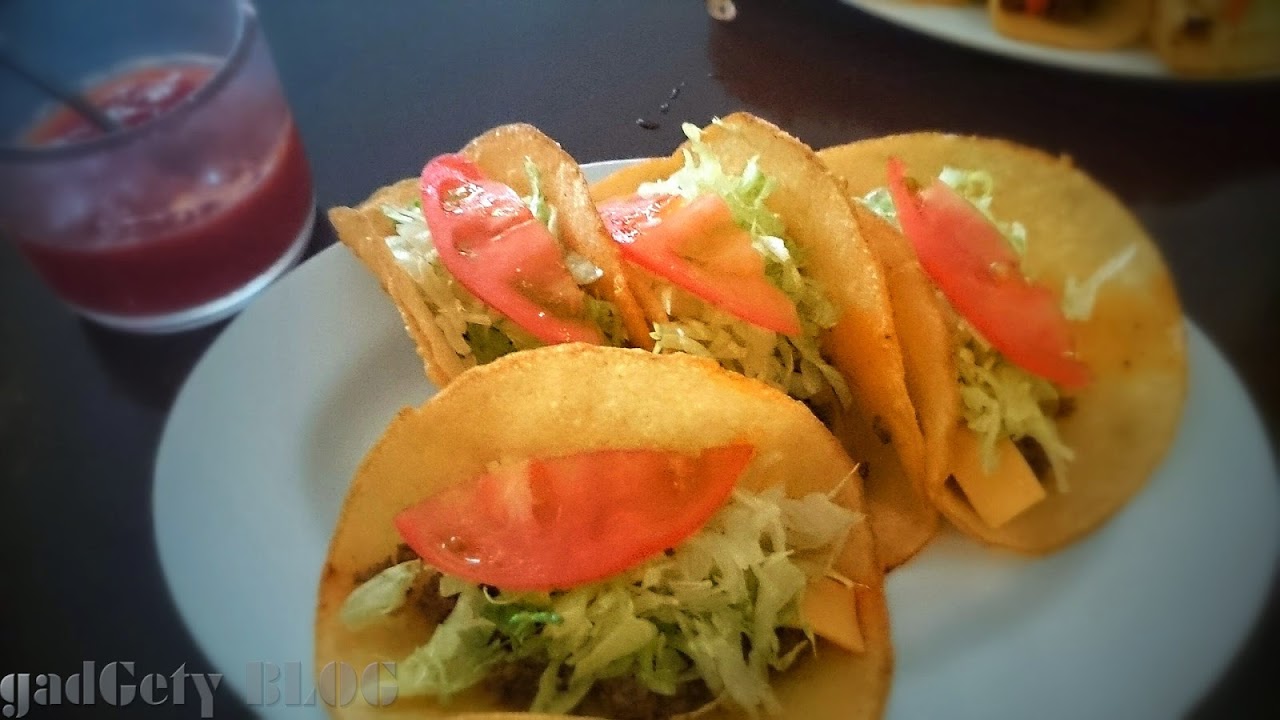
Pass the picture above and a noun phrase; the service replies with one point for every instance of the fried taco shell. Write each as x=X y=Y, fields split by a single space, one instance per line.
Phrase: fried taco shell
x=500 y=154
x=574 y=398
x=1133 y=343
x=863 y=345
x=1074 y=24
x=1203 y=37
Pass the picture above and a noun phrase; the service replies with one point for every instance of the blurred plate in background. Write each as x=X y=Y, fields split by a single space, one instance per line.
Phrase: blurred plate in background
x=968 y=25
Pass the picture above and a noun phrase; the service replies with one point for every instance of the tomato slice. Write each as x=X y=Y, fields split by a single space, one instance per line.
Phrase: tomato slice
x=555 y=523
x=969 y=260
x=499 y=252
x=698 y=247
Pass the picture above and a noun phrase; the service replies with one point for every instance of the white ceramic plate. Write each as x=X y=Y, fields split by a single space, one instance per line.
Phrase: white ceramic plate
x=1136 y=621
x=968 y=25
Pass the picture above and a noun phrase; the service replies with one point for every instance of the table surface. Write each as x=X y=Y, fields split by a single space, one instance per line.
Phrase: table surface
x=378 y=86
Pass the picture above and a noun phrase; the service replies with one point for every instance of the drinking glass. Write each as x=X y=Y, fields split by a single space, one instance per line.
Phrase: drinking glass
x=195 y=196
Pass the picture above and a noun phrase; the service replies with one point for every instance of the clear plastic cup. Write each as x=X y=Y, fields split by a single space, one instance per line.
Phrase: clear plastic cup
x=195 y=202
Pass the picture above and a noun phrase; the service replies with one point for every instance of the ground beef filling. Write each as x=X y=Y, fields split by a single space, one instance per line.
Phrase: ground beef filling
x=1058 y=10
x=1033 y=452
x=1037 y=459
x=514 y=684
x=789 y=638
x=1065 y=409
x=1197 y=27
x=625 y=698
x=427 y=601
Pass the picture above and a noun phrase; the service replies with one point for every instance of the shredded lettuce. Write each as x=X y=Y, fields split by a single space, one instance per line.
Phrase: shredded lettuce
x=518 y=621
x=1078 y=297
x=880 y=202
x=488 y=343
x=701 y=173
x=477 y=333
x=605 y=315
x=537 y=202
x=582 y=270
x=380 y=595
x=999 y=399
x=794 y=365
x=458 y=655
x=708 y=610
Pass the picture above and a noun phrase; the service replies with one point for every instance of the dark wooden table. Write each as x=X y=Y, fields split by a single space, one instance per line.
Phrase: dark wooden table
x=379 y=86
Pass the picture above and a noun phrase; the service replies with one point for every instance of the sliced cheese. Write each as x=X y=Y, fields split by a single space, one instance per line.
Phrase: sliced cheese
x=831 y=609
x=1002 y=495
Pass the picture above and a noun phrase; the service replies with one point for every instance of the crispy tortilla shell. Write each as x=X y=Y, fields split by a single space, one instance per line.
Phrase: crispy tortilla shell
x=1251 y=45
x=864 y=344
x=1134 y=344
x=902 y=518
x=1115 y=23
x=500 y=153
x=571 y=398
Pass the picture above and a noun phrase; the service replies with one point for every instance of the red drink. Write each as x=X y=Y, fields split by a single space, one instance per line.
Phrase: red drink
x=175 y=219
x=188 y=242
x=129 y=99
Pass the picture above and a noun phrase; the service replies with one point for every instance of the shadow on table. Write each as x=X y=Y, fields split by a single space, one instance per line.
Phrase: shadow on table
x=150 y=369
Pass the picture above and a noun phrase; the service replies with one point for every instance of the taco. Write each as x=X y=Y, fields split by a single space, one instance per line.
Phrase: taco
x=1075 y=24
x=608 y=532
x=752 y=252
x=1046 y=355
x=506 y=254
x=1215 y=37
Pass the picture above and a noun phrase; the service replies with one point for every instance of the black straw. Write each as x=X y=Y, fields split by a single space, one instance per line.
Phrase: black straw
x=55 y=90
